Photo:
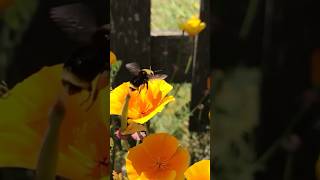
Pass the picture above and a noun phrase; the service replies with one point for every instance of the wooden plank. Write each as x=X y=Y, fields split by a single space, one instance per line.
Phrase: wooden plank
x=130 y=35
x=165 y=52
x=201 y=71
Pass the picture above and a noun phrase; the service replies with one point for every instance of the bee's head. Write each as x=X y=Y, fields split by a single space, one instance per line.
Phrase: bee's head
x=148 y=71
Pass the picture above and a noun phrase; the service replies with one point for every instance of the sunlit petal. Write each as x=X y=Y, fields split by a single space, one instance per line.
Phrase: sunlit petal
x=144 y=103
x=24 y=121
x=199 y=170
x=157 y=157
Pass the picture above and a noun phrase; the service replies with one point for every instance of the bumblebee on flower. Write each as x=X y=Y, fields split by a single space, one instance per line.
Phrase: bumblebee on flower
x=147 y=101
x=141 y=76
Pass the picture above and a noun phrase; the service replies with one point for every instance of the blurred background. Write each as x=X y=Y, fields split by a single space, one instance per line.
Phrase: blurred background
x=31 y=40
x=265 y=60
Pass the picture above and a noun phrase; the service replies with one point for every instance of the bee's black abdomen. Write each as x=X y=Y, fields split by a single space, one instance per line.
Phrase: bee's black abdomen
x=139 y=80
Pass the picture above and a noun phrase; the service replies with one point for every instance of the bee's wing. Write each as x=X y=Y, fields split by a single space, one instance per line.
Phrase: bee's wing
x=158 y=76
x=76 y=20
x=133 y=68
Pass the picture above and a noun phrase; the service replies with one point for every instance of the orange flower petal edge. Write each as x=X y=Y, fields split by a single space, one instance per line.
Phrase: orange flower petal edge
x=159 y=156
x=113 y=58
x=143 y=105
x=199 y=170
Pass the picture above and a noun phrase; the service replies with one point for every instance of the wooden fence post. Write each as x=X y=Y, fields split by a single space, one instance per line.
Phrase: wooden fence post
x=130 y=35
x=199 y=120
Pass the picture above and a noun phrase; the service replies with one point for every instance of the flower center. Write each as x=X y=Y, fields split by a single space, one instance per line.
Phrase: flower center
x=160 y=164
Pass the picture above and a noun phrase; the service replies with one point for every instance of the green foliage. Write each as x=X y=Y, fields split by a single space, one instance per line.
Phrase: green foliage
x=18 y=16
x=174 y=118
x=168 y=14
x=199 y=146
x=15 y=19
x=237 y=109
x=114 y=70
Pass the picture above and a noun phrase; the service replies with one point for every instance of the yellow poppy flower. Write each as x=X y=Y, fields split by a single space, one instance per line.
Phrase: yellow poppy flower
x=113 y=58
x=199 y=170
x=193 y=26
x=83 y=143
x=143 y=105
x=158 y=157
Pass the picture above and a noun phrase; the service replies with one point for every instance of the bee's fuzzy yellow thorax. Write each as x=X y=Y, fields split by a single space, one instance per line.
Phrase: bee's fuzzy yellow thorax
x=148 y=71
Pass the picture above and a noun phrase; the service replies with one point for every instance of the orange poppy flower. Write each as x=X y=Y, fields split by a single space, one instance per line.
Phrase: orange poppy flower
x=159 y=157
x=143 y=105
x=83 y=143
x=113 y=58
x=193 y=26
x=199 y=170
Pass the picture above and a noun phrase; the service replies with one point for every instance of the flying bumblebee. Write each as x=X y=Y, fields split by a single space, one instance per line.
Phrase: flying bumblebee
x=141 y=76
x=90 y=59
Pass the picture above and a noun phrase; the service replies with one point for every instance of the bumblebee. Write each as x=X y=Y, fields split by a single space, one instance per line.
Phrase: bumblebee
x=90 y=60
x=141 y=76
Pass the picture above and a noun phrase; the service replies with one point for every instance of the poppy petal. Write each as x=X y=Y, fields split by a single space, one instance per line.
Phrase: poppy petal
x=154 y=142
x=159 y=108
x=180 y=162
x=199 y=170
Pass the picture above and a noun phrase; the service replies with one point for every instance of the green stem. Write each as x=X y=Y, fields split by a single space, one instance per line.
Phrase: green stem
x=274 y=147
x=187 y=69
x=194 y=55
x=124 y=114
x=138 y=142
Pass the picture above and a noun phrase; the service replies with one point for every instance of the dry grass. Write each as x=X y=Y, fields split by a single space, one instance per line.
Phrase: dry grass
x=167 y=14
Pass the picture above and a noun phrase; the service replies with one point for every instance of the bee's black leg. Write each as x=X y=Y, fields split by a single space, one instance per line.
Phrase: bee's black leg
x=147 y=85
